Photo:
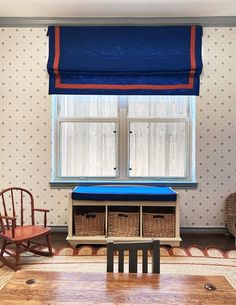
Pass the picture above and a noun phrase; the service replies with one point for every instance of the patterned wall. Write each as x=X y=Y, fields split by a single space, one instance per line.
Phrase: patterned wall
x=25 y=125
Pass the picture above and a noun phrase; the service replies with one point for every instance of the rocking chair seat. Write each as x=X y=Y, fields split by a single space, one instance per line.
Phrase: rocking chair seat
x=25 y=233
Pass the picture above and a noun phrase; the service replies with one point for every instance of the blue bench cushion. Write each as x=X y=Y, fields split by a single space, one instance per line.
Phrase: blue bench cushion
x=123 y=193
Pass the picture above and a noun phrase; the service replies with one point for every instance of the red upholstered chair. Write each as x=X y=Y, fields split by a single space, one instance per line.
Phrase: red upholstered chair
x=14 y=202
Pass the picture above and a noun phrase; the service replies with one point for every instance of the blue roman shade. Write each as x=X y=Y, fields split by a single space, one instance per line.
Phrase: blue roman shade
x=160 y=60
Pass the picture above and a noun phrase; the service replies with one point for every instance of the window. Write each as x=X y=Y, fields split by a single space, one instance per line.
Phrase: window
x=123 y=138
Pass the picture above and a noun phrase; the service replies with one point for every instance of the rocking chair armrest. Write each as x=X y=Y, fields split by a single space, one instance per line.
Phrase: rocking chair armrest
x=12 y=219
x=8 y=217
x=42 y=210
x=45 y=215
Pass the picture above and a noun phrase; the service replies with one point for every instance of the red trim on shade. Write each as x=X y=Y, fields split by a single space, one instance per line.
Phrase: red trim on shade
x=60 y=85
x=192 y=56
x=121 y=87
x=57 y=57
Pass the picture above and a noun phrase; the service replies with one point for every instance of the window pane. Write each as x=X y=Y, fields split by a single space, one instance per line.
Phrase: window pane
x=157 y=149
x=88 y=149
x=158 y=106
x=87 y=105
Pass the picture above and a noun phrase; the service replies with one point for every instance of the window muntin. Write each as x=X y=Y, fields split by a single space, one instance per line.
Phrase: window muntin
x=146 y=137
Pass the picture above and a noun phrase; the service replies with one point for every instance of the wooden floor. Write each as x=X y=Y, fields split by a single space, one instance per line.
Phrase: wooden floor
x=224 y=242
x=221 y=241
x=68 y=288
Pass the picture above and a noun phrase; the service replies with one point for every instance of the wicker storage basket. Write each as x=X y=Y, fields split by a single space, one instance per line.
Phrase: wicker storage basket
x=158 y=225
x=123 y=224
x=230 y=213
x=89 y=224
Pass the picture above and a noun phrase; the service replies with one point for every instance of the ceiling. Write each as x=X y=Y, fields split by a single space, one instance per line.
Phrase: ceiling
x=117 y=8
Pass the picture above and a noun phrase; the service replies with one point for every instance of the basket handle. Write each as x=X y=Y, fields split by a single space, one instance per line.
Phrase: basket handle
x=158 y=216
x=90 y=215
x=122 y=215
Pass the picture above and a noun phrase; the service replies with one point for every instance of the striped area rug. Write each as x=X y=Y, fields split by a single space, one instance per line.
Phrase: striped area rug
x=192 y=251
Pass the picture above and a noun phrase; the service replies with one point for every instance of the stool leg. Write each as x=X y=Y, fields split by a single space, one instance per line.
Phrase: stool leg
x=110 y=257
x=156 y=257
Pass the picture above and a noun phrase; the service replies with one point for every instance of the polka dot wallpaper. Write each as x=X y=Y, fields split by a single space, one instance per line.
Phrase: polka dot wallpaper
x=25 y=125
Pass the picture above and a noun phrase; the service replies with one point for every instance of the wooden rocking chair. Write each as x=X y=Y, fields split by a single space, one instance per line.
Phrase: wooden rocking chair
x=18 y=234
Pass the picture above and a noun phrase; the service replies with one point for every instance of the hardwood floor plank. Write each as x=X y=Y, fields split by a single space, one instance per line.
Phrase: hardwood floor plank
x=224 y=242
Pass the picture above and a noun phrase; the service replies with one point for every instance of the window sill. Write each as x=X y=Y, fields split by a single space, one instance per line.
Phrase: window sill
x=71 y=184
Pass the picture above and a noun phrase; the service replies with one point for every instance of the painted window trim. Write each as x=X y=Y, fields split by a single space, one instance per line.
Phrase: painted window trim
x=71 y=184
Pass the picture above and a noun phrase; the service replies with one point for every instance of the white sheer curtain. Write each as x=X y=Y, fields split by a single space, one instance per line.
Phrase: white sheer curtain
x=86 y=106
x=157 y=149
x=87 y=144
x=158 y=143
x=153 y=129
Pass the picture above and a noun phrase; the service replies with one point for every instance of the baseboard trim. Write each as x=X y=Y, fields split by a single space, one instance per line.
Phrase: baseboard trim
x=59 y=229
x=183 y=230
x=203 y=230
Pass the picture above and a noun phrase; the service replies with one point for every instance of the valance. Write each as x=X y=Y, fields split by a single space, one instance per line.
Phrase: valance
x=160 y=60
